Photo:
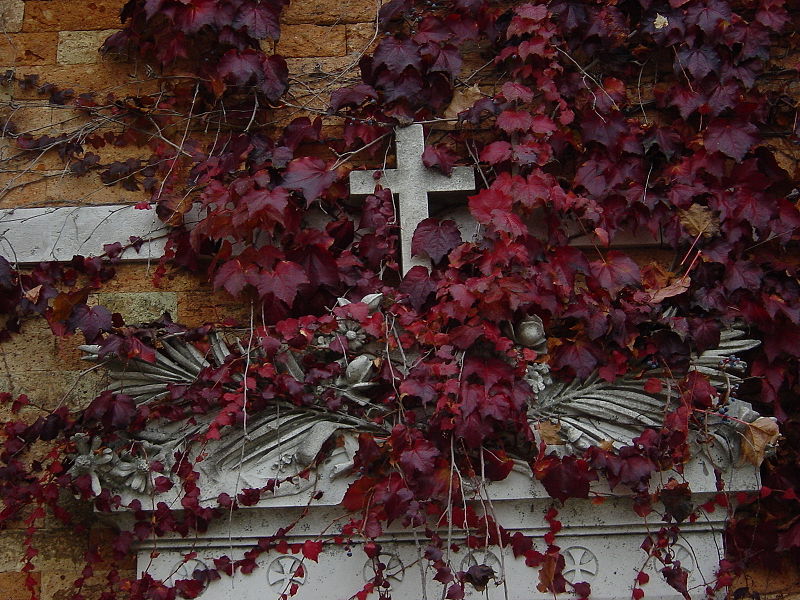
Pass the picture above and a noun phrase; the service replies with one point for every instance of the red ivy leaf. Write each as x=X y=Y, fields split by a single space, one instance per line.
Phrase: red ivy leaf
x=514 y=120
x=260 y=19
x=311 y=550
x=418 y=285
x=90 y=320
x=568 y=477
x=284 y=281
x=440 y=157
x=309 y=175
x=616 y=272
x=732 y=138
x=496 y=152
x=397 y=53
x=435 y=238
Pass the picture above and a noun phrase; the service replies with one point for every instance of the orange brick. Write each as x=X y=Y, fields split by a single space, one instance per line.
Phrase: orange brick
x=361 y=37
x=123 y=79
x=197 y=308
x=325 y=12
x=28 y=49
x=12 y=586
x=80 y=47
x=71 y=15
x=302 y=41
x=11 y=15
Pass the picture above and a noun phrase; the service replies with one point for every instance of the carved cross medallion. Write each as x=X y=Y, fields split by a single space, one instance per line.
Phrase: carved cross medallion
x=411 y=182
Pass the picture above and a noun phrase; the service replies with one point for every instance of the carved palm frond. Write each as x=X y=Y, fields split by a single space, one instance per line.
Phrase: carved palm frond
x=592 y=411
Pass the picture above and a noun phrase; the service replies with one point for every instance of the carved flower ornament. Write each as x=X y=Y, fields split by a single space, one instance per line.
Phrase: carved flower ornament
x=286 y=439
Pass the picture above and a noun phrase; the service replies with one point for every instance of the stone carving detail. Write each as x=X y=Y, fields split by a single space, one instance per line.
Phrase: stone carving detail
x=185 y=570
x=286 y=440
x=411 y=181
x=282 y=572
x=684 y=555
x=488 y=558
x=580 y=564
x=395 y=569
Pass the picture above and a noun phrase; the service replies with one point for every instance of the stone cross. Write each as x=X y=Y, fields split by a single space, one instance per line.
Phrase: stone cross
x=411 y=182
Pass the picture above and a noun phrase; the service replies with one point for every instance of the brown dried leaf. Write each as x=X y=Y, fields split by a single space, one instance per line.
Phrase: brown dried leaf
x=550 y=433
x=758 y=437
x=463 y=99
x=700 y=220
x=680 y=285
x=32 y=295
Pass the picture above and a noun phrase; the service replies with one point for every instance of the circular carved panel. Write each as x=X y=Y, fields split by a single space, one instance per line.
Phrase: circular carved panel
x=283 y=571
x=185 y=570
x=684 y=555
x=394 y=569
x=580 y=564
x=488 y=558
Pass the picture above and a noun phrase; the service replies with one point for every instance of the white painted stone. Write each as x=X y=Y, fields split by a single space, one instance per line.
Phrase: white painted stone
x=411 y=182
x=600 y=543
x=31 y=235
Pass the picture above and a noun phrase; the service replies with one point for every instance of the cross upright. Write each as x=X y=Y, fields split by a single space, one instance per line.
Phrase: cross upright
x=411 y=182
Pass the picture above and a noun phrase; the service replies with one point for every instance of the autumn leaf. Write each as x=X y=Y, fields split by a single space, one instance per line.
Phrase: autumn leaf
x=759 y=436
x=550 y=433
x=309 y=175
x=435 y=238
x=732 y=138
x=677 y=287
x=699 y=220
x=463 y=100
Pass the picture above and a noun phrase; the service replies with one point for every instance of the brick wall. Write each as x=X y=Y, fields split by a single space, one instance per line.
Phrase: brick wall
x=58 y=40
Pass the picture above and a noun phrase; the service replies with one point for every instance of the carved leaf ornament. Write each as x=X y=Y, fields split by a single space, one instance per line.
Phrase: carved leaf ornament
x=585 y=412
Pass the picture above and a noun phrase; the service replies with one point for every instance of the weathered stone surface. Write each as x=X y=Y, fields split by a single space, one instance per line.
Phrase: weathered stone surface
x=37 y=234
x=601 y=544
x=50 y=389
x=122 y=78
x=411 y=181
x=324 y=12
x=197 y=308
x=78 y=47
x=139 y=307
x=12 y=586
x=71 y=15
x=301 y=41
x=28 y=49
x=33 y=348
x=11 y=16
x=360 y=37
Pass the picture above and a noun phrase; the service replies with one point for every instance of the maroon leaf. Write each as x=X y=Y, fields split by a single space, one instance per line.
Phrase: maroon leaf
x=514 y=120
x=699 y=62
x=616 y=272
x=435 y=238
x=90 y=320
x=496 y=152
x=309 y=175
x=397 y=53
x=195 y=14
x=268 y=205
x=283 y=281
x=419 y=457
x=352 y=96
x=732 y=138
x=261 y=20
x=568 y=477
x=440 y=157
x=231 y=276
x=708 y=14
x=418 y=285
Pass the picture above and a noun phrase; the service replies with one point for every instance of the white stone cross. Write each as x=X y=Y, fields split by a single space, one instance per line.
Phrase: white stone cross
x=411 y=182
